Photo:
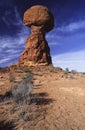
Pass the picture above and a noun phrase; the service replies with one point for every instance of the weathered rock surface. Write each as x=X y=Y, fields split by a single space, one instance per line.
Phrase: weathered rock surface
x=40 y=17
x=37 y=51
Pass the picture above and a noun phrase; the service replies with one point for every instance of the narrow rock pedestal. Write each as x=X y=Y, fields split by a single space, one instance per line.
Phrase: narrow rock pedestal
x=37 y=51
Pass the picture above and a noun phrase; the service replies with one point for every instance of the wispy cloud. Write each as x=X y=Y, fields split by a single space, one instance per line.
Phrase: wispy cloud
x=11 y=17
x=53 y=38
x=72 y=26
x=9 y=52
x=12 y=47
x=4 y=60
x=72 y=60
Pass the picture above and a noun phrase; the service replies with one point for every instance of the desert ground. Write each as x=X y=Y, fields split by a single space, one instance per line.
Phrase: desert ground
x=58 y=100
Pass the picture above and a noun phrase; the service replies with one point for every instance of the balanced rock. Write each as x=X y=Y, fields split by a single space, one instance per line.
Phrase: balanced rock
x=40 y=20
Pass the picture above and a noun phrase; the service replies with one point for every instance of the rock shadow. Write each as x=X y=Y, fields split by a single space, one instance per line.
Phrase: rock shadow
x=41 y=99
x=36 y=98
x=43 y=94
x=6 y=96
x=6 y=125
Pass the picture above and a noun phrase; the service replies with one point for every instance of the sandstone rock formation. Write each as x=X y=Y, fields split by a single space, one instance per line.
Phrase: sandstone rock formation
x=37 y=51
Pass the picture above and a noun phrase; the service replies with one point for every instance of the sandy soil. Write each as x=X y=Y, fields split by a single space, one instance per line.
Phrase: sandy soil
x=58 y=103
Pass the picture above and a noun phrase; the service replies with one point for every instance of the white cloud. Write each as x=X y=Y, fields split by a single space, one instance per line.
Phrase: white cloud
x=4 y=60
x=72 y=60
x=11 y=48
x=72 y=26
x=53 y=38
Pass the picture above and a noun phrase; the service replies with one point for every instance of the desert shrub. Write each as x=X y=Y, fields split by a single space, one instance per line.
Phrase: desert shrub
x=23 y=115
x=6 y=69
x=1 y=68
x=67 y=70
x=22 y=92
x=37 y=69
x=83 y=73
x=11 y=78
x=21 y=69
x=51 y=65
x=73 y=71
x=28 y=77
x=14 y=66
x=25 y=69
x=51 y=70
x=59 y=68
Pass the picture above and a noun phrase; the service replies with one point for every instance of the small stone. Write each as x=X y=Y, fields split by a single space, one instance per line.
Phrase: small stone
x=1 y=77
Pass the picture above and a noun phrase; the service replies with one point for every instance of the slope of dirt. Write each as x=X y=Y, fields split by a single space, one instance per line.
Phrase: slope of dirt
x=58 y=102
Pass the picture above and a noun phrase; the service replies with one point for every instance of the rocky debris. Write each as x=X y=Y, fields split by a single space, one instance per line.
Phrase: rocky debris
x=1 y=77
x=40 y=20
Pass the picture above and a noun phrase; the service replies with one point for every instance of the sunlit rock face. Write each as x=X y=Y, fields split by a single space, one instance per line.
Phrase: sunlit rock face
x=37 y=52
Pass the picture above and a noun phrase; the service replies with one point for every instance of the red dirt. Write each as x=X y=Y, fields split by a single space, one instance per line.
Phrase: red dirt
x=60 y=103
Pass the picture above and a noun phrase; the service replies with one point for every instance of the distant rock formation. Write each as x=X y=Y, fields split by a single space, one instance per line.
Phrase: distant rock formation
x=37 y=51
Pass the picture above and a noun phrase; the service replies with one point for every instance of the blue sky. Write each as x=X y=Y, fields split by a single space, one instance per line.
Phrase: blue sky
x=66 y=40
